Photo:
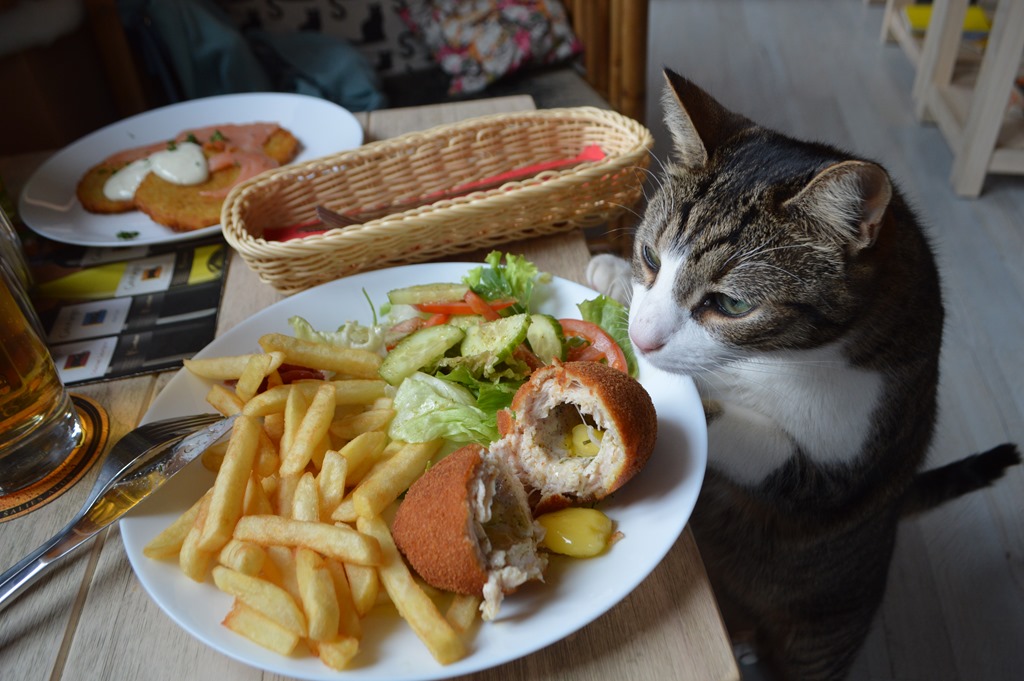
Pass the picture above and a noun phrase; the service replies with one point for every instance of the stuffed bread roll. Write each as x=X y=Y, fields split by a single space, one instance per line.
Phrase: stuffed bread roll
x=465 y=526
x=576 y=432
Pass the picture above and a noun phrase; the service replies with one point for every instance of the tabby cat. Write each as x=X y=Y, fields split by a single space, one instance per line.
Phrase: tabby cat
x=793 y=283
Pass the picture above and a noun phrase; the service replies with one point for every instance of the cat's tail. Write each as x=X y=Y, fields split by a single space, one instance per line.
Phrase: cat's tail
x=932 y=487
x=939 y=485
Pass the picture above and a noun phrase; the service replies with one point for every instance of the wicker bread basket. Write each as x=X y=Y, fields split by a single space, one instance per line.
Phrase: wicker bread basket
x=421 y=164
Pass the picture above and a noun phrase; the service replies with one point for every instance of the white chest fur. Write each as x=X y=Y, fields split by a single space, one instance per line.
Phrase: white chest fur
x=813 y=397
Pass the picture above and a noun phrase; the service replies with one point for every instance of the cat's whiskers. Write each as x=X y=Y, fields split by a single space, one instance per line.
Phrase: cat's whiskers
x=658 y=179
x=628 y=209
x=662 y=165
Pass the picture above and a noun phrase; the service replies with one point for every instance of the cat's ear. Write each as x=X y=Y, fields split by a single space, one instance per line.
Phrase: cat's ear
x=850 y=198
x=697 y=122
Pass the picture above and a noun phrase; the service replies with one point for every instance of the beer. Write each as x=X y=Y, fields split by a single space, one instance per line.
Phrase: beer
x=38 y=424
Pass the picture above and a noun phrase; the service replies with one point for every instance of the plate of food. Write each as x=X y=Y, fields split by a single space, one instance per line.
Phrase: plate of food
x=647 y=513
x=162 y=175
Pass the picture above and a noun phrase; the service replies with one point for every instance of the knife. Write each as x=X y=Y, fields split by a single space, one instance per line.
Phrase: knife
x=121 y=497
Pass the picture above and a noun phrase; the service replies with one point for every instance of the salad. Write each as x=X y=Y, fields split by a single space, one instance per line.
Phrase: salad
x=456 y=352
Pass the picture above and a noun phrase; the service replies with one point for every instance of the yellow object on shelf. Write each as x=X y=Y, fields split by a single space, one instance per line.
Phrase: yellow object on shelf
x=976 y=22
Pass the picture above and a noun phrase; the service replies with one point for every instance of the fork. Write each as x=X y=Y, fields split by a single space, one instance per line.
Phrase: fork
x=130 y=452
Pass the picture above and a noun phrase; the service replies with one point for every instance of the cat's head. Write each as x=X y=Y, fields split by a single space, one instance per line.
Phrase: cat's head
x=753 y=241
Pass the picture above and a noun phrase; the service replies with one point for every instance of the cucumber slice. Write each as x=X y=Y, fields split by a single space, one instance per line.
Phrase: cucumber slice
x=464 y=321
x=427 y=293
x=421 y=349
x=499 y=337
x=546 y=338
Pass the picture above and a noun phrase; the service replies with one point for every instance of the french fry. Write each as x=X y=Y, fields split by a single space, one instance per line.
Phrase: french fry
x=330 y=482
x=269 y=485
x=256 y=369
x=267 y=459
x=387 y=480
x=295 y=408
x=412 y=603
x=364 y=585
x=167 y=544
x=319 y=599
x=311 y=431
x=345 y=511
x=462 y=612
x=362 y=453
x=343 y=361
x=262 y=596
x=213 y=456
x=285 y=494
x=348 y=616
x=350 y=426
x=230 y=483
x=319 y=450
x=193 y=560
x=260 y=629
x=270 y=401
x=306 y=499
x=280 y=569
x=274 y=379
x=338 y=653
x=273 y=425
x=218 y=368
x=256 y=501
x=242 y=557
x=224 y=400
x=361 y=391
x=336 y=541
x=347 y=392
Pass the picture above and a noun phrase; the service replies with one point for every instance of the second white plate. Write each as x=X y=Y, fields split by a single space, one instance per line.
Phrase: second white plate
x=48 y=204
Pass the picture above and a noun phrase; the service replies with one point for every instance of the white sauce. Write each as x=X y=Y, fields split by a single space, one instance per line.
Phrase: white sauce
x=121 y=185
x=185 y=164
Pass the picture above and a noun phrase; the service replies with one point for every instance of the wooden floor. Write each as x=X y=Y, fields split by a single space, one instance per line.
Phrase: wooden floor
x=955 y=604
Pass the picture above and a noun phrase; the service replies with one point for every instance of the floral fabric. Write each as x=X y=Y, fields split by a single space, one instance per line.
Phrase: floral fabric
x=477 y=42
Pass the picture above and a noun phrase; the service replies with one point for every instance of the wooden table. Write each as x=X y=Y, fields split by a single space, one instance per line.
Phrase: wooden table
x=91 y=619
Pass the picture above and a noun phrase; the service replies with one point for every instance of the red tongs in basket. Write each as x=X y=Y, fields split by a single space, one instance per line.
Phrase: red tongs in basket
x=328 y=219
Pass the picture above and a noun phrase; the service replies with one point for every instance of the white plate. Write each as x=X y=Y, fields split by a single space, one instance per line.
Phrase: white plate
x=650 y=511
x=48 y=204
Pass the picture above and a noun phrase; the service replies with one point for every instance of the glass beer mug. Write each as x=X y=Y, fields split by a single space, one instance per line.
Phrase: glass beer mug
x=39 y=426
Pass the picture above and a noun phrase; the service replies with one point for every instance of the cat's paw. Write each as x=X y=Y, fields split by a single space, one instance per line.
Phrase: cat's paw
x=610 y=275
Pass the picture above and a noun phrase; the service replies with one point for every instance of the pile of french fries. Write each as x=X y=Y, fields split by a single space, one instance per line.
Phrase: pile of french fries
x=293 y=526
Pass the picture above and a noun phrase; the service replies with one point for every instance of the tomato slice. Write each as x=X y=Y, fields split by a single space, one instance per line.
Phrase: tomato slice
x=454 y=307
x=601 y=345
x=436 y=319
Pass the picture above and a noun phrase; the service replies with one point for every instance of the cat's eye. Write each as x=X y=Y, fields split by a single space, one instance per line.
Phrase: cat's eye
x=730 y=306
x=650 y=258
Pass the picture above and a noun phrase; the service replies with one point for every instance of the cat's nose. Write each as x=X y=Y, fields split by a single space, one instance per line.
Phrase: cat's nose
x=645 y=343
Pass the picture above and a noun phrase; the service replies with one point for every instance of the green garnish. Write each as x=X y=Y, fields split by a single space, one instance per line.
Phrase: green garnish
x=372 y=310
x=126 y=236
x=192 y=138
x=217 y=136
x=172 y=145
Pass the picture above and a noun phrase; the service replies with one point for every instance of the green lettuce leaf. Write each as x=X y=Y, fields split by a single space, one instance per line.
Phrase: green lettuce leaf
x=491 y=396
x=513 y=279
x=613 y=317
x=427 y=408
